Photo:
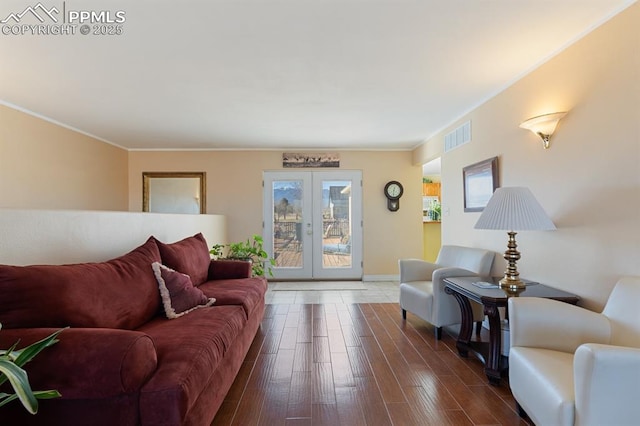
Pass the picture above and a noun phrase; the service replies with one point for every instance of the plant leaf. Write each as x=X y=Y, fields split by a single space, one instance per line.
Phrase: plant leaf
x=22 y=356
x=10 y=353
x=20 y=384
x=48 y=394
x=6 y=398
x=27 y=354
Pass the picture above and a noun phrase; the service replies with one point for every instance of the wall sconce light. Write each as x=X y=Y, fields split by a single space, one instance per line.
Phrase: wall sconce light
x=543 y=126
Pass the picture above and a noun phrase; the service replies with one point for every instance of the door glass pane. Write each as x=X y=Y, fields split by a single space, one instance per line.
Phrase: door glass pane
x=287 y=223
x=336 y=224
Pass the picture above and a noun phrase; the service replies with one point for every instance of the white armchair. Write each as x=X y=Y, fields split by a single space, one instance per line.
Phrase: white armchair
x=572 y=366
x=422 y=289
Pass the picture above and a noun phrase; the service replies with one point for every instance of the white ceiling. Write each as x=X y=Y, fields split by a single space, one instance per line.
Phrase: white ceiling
x=288 y=74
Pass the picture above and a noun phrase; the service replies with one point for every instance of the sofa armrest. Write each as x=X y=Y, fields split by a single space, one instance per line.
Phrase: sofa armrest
x=87 y=362
x=550 y=324
x=606 y=384
x=416 y=270
x=223 y=269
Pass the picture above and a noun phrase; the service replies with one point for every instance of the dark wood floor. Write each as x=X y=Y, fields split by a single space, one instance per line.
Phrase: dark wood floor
x=360 y=364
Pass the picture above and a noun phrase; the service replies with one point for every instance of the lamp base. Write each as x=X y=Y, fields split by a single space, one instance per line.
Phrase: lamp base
x=511 y=281
x=508 y=283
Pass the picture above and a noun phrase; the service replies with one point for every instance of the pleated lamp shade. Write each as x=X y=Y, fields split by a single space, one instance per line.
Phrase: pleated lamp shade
x=514 y=209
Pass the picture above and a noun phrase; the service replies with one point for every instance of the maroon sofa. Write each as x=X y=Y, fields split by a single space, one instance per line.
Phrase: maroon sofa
x=122 y=361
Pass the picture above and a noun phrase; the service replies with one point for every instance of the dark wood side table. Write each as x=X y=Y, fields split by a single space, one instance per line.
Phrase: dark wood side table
x=463 y=289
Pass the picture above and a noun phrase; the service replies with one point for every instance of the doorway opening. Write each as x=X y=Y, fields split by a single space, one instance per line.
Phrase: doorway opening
x=431 y=209
x=313 y=224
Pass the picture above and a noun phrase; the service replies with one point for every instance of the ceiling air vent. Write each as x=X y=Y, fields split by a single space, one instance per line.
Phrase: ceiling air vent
x=457 y=137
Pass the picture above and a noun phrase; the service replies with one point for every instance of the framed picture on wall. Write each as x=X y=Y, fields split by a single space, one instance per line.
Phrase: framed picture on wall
x=297 y=159
x=174 y=192
x=479 y=181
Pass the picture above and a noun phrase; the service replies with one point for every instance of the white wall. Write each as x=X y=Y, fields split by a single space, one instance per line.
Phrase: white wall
x=72 y=236
x=588 y=181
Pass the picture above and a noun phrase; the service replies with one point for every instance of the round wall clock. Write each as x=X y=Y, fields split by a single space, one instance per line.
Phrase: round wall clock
x=393 y=191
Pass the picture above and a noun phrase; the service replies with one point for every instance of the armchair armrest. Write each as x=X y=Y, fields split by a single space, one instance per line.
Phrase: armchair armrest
x=446 y=309
x=416 y=270
x=447 y=272
x=550 y=324
x=451 y=271
x=87 y=362
x=223 y=269
x=606 y=384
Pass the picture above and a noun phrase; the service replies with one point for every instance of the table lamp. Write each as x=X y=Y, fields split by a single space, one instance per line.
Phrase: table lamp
x=513 y=209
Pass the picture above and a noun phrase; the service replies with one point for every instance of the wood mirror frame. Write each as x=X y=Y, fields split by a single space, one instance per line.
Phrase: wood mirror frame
x=201 y=198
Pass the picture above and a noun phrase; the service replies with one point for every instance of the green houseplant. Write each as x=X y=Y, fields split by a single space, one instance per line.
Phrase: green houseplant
x=437 y=211
x=252 y=250
x=11 y=362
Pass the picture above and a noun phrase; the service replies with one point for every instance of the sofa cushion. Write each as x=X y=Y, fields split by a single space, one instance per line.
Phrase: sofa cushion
x=246 y=292
x=120 y=293
x=189 y=348
x=189 y=256
x=178 y=294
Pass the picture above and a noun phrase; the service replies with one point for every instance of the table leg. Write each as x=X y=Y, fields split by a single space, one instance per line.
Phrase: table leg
x=492 y=367
x=466 y=327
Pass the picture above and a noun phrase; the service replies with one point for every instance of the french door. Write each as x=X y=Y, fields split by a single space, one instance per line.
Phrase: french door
x=313 y=224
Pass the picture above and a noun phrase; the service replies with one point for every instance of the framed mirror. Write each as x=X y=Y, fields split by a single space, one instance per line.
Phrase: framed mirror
x=174 y=192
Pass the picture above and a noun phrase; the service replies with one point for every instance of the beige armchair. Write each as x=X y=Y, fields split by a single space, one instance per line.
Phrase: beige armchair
x=422 y=289
x=572 y=366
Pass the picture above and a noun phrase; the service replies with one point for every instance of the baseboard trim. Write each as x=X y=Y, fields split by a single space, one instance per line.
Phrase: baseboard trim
x=380 y=278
